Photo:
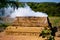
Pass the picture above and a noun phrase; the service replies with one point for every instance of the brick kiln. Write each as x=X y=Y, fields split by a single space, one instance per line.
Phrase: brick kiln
x=31 y=26
x=30 y=22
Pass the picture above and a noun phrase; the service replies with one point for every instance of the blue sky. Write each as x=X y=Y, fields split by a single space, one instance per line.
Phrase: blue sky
x=39 y=0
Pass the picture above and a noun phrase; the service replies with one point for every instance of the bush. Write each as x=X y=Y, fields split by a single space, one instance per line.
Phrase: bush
x=47 y=33
x=3 y=25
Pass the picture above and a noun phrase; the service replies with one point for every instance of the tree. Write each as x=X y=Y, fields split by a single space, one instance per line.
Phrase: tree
x=5 y=3
x=51 y=8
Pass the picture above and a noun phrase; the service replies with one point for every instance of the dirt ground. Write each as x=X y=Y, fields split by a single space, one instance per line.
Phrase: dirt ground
x=18 y=37
x=3 y=36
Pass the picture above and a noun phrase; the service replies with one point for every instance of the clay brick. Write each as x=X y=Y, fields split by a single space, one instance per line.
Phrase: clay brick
x=30 y=21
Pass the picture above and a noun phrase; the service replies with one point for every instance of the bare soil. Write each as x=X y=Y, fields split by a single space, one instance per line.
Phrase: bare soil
x=3 y=36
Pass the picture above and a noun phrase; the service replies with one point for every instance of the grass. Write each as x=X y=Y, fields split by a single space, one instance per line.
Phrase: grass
x=55 y=21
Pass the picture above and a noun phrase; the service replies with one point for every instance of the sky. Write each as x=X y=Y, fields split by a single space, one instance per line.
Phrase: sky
x=39 y=0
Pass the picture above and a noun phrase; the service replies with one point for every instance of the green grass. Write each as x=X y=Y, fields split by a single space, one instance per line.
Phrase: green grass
x=55 y=21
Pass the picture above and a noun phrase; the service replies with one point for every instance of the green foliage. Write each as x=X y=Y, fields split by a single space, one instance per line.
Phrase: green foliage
x=4 y=3
x=21 y=4
x=3 y=25
x=51 y=37
x=47 y=33
x=51 y=8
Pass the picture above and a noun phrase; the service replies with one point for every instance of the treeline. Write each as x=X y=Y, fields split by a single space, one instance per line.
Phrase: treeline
x=51 y=8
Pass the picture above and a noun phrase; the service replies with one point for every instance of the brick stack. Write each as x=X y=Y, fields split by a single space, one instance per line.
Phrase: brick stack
x=30 y=22
x=27 y=26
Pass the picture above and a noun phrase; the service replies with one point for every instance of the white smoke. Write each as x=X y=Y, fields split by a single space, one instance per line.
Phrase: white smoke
x=21 y=12
x=8 y=11
x=27 y=11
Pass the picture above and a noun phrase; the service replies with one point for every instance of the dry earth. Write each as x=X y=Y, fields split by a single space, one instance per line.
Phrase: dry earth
x=4 y=36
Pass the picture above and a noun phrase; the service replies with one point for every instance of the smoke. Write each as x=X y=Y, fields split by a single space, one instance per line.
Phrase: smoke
x=8 y=11
x=5 y=14
x=21 y=12
x=27 y=11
